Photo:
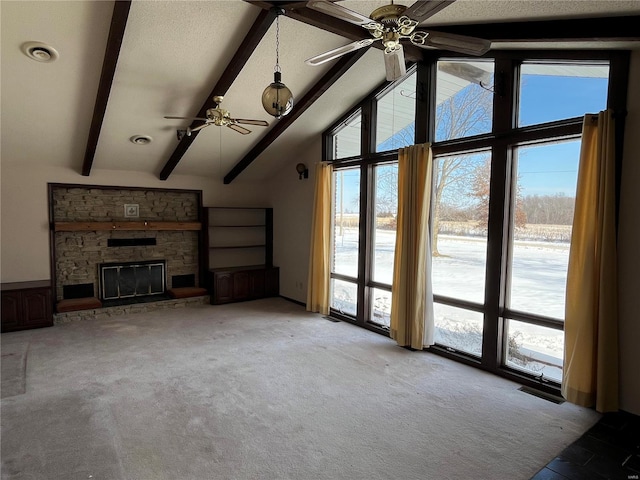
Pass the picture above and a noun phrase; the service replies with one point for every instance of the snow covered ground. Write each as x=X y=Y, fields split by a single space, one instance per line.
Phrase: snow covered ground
x=538 y=280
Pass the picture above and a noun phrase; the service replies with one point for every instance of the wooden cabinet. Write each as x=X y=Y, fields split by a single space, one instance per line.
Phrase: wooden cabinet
x=237 y=284
x=239 y=254
x=257 y=281
x=26 y=305
x=241 y=286
x=222 y=285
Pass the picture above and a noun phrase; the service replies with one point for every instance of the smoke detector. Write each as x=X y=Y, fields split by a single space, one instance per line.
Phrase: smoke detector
x=40 y=52
x=141 y=139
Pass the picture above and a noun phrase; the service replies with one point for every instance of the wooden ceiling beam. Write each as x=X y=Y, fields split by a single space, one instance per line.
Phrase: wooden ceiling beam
x=257 y=31
x=602 y=29
x=337 y=70
x=112 y=52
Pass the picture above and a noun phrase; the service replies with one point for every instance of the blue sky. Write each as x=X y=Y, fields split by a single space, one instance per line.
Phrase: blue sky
x=548 y=169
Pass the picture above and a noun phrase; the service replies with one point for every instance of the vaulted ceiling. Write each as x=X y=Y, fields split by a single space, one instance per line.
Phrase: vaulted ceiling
x=124 y=66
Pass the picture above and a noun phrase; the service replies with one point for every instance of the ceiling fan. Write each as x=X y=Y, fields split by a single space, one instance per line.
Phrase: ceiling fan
x=393 y=23
x=221 y=118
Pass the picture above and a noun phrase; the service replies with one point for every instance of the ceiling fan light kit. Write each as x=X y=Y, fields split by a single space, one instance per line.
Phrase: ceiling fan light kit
x=277 y=99
x=392 y=23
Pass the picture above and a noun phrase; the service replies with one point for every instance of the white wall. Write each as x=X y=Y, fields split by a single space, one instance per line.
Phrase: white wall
x=292 y=201
x=629 y=250
x=24 y=214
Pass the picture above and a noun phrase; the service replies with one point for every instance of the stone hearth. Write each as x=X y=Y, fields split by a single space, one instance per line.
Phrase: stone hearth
x=110 y=312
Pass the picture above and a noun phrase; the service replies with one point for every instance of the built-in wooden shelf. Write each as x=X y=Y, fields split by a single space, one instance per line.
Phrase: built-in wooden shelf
x=238 y=236
x=131 y=226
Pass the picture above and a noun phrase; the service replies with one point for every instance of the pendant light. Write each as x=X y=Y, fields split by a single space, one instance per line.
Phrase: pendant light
x=277 y=99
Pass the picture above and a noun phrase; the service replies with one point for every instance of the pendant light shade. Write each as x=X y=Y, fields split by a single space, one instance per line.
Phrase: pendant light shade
x=277 y=99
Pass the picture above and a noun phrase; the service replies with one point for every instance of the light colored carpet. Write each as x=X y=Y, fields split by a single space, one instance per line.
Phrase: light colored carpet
x=264 y=390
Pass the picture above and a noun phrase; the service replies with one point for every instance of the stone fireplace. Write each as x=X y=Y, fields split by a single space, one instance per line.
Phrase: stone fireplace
x=123 y=261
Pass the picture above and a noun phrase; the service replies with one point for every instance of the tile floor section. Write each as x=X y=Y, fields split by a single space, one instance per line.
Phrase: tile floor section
x=609 y=450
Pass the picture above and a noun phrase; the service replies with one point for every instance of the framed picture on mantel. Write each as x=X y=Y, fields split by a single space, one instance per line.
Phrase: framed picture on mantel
x=131 y=210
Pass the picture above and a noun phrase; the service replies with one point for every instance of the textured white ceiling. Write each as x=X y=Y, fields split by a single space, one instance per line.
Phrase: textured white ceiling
x=489 y=11
x=46 y=108
x=172 y=55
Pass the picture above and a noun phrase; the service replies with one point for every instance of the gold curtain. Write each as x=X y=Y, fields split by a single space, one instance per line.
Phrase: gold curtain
x=590 y=375
x=320 y=251
x=412 y=301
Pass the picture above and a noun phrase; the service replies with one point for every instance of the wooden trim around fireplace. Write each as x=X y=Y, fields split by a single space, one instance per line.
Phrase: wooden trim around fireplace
x=129 y=226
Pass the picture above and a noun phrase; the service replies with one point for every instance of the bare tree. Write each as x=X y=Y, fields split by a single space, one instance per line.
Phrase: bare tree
x=387 y=189
x=466 y=113
x=480 y=190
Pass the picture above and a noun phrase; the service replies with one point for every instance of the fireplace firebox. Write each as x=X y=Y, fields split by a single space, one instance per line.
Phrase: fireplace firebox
x=132 y=279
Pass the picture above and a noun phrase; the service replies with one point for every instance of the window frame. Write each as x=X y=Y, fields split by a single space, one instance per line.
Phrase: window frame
x=504 y=137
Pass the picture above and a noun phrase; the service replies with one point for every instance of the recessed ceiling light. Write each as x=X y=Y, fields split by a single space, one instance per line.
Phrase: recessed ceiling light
x=141 y=139
x=40 y=52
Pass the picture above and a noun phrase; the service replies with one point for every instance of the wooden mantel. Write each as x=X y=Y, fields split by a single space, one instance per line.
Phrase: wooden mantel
x=130 y=226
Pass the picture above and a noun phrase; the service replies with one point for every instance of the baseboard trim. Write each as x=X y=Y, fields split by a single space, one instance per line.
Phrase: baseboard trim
x=544 y=395
x=302 y=304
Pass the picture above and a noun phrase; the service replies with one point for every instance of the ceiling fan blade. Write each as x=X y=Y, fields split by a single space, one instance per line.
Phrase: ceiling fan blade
x=452 y=42
x=394 y=64
x=421 y=10
x=340 y=12
x=186 y=118
x=337 y=52
x=245 y=121
x=199 y=127
x=239 y=129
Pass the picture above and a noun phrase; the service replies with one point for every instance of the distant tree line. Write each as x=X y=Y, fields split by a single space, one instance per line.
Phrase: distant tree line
x=554 y=209
x=549 y=209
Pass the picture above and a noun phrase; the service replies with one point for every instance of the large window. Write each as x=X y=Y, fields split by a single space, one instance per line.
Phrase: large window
x=396 y=111
x=346 y=140
x=361 y=282
x=464 y=99
x=346 y=240
x=505 y=167
x=552 y=91
x=459 y=219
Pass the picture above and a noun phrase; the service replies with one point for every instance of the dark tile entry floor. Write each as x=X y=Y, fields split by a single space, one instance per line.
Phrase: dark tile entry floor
x=609 y=450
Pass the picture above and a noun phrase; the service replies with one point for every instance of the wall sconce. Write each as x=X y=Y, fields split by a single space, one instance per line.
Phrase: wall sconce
x=303 y=171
